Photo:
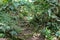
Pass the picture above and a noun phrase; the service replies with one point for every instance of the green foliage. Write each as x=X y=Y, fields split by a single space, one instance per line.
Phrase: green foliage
x=58 y=33
x=46 y=32
x=2 y=35
x=41 y=14
x=4 y=28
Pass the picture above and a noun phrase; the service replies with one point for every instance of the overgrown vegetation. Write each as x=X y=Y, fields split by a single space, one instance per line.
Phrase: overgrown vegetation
x=42 y=16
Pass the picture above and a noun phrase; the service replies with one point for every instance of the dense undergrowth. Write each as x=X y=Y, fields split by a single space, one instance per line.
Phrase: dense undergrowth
x=42 y=15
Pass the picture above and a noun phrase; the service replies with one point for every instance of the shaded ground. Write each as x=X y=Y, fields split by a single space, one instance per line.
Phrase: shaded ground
x=28 y=33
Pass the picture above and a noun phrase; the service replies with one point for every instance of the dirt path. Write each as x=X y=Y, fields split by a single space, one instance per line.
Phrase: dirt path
x=3 y=39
